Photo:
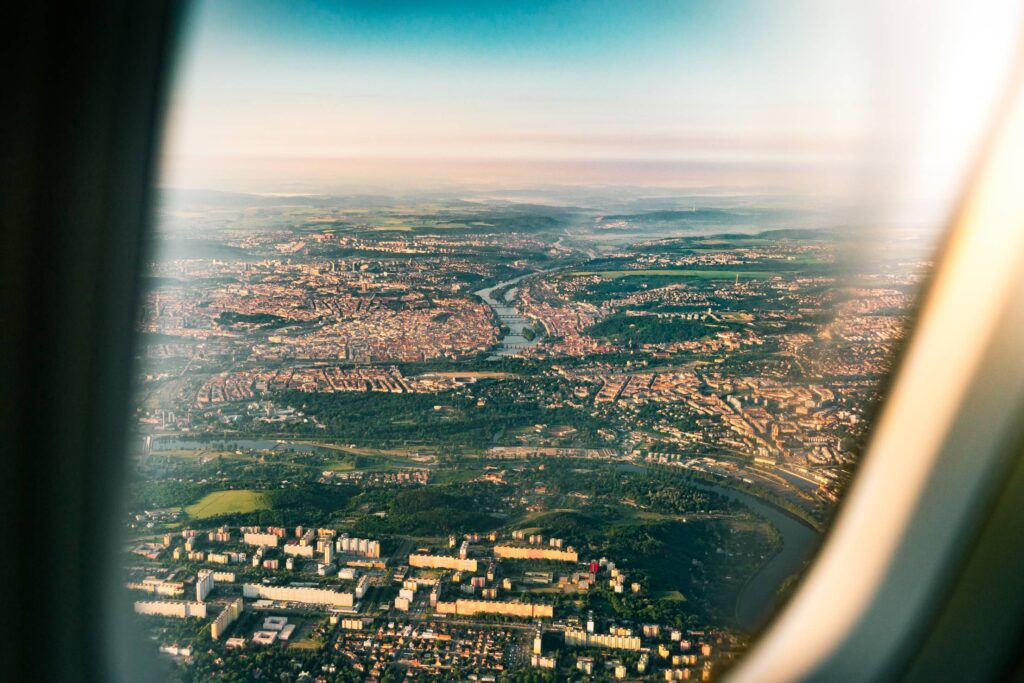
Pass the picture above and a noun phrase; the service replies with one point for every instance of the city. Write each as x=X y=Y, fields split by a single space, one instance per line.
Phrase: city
x=474 y=439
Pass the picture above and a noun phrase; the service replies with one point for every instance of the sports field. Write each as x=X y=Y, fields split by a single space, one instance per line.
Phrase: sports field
x=228 y=502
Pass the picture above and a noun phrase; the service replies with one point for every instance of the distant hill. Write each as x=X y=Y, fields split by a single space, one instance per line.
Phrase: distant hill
x=702 y=221
x=170 y=198
x=799 y=233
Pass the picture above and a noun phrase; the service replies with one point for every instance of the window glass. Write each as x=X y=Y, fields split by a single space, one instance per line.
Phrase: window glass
x=529 y=340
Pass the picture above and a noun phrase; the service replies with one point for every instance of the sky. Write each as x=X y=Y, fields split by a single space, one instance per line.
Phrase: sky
x=304 y=95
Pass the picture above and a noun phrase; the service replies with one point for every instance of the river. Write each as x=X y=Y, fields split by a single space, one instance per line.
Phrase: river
x=756 y=600
x=510 y=317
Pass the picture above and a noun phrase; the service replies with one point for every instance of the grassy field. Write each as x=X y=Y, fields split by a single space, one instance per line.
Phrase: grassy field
x=371 y=463
x=458 y=475
x=419 y=454
x=228 y=502
x=341 y=466
x=700 y=274
x=200 y=454
x=736 y=317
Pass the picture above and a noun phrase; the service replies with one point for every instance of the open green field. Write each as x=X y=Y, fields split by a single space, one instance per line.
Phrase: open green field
x=374 y=462
x=368 y=464
x=410 y=453
x=700 y=274
x=200 y=454
x=459 y=475
x=228 y=502
x=374 y=459
x=341 y=466
x=735 y=317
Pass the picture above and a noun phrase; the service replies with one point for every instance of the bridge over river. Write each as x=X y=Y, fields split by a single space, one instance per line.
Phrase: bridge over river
x=510 y=317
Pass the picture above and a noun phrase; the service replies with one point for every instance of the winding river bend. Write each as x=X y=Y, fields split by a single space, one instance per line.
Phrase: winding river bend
x=756 y=601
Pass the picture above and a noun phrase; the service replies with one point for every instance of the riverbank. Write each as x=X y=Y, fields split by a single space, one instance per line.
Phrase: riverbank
x=799 y=539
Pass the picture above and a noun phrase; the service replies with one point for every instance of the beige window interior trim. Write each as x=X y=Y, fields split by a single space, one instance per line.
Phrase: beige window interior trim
x=937 y=451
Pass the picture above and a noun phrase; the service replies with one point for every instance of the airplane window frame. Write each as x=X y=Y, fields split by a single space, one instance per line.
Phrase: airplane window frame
x=886 y=636
x=143 y=41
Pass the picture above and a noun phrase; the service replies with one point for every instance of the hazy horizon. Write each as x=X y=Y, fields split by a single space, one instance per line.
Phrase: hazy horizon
x=853 y=104
x=312 y=96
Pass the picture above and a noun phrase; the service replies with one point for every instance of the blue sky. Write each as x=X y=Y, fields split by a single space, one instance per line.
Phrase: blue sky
x=487 y=90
